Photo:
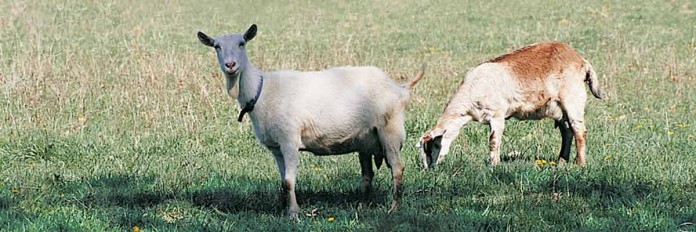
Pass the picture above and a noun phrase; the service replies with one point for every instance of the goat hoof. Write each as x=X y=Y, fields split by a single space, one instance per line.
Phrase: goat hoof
x=394 y=207
x=562 y=161
x=580 y=163
x=294 y=216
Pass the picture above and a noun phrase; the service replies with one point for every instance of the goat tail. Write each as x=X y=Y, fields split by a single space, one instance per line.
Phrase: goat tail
x=419 y=75
x=592 y=81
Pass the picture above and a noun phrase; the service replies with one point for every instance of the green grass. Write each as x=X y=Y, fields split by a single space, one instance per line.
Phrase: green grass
x=112 y=115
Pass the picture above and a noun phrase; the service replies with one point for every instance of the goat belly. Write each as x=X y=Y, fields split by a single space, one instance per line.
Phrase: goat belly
x=550 y=110
x=337 y=146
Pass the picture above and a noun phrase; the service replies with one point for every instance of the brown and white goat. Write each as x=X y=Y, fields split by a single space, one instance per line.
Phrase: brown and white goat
x=542 y=80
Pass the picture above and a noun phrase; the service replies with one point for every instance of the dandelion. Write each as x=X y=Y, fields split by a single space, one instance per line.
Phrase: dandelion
x=331 y=219
x=690 y=136
x=540 y=162
x=136 y=229
x=62 y=196
x=607 y=157
x=670 y=133
x=563 y=22
x=639 y=126
x=608 y=145
x=552 y=163
x=312 y=166
x=14 y=190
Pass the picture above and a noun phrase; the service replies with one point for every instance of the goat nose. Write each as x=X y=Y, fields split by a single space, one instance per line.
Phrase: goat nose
x=230 y=64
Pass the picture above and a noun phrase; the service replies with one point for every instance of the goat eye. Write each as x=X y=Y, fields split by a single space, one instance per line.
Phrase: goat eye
x=241 y=44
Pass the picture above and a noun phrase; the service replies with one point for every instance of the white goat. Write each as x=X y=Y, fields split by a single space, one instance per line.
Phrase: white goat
x=329 y=112
x=543 y=80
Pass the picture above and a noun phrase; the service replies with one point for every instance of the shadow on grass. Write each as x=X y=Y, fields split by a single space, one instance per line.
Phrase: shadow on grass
x=119 y=191
x=586 y=185
x=424 y=211
x=227 y=200
x=5 y=203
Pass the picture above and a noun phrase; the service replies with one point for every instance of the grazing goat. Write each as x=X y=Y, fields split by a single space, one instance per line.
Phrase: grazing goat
x=334 y=111
x=543 y=80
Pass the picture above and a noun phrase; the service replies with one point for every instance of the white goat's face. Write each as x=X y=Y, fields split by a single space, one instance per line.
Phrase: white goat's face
x=430 y=146
x=230 y=49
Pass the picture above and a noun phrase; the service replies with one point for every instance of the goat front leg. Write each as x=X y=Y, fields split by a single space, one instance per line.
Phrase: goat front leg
x=290 y=163
x=280 y=162
x=497 y=125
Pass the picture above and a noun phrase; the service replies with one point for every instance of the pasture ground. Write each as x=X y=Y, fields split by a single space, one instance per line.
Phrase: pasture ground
x=113 y=117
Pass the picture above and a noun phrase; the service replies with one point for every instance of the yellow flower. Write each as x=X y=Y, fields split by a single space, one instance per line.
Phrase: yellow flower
x=607 y=157
x=670 y=133
x=312 y=166
x=14 y=190
x=540 y=162
x=331 y=219
x=563 y=22
x=690 y=136
x=552 y=163
x=136 y=229
x=639 y=126
x=607 y=145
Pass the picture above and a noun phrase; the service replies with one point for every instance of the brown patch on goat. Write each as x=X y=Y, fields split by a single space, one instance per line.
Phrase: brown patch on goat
x=536 y=61
x=535 y=64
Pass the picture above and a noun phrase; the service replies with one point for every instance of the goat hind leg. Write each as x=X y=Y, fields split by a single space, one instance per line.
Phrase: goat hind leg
x=580 y=133
x=392 y=139
x=566 y=140
x=367 y=172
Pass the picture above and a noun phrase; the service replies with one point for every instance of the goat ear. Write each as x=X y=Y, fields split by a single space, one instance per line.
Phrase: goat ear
x=250 y=33
x=424 y=140
x=205 y=39
x=425 y=144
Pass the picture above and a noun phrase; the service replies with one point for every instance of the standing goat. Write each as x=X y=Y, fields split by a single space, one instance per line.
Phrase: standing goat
x=334 y=111
x=543 y=80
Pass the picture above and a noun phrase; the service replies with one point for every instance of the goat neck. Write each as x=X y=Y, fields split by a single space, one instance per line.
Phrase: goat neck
x=250 y=87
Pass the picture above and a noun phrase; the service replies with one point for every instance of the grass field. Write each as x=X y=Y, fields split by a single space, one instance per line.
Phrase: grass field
x=113 y=117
